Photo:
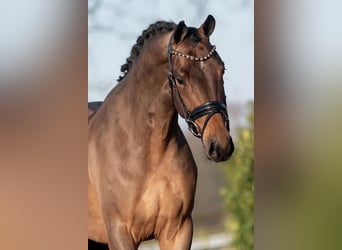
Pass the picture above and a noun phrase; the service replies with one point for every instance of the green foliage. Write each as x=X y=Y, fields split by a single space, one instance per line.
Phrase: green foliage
x=238 y=195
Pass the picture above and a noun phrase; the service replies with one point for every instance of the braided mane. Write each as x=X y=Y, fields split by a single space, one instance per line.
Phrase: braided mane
x=147 y=35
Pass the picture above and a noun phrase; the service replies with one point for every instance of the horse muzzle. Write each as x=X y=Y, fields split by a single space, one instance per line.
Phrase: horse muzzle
x=218 y=152
x=217 y=142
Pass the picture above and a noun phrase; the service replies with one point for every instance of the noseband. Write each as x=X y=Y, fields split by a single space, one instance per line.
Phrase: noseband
x=209 y=108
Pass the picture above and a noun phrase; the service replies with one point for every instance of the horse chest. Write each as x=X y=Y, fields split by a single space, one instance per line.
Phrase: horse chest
x=169 y=191
x=165 y=201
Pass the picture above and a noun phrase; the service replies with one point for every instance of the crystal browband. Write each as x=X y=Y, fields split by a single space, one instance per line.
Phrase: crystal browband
x=194 y=58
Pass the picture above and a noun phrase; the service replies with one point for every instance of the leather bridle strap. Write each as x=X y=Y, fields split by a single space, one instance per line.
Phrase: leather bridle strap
x=209 y=108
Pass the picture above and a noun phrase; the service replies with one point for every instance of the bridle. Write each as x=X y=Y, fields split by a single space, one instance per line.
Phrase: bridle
x=209 y=108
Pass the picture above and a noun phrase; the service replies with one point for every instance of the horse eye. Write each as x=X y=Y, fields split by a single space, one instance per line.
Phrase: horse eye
x=180 y=80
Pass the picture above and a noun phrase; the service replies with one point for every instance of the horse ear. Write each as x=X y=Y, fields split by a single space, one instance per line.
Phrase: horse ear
x=208 y=26
x=180 y=32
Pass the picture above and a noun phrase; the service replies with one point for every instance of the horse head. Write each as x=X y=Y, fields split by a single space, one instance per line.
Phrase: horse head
x=196 y=79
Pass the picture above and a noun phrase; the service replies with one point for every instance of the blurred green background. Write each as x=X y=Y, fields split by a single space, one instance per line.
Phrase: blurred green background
x=238 y=195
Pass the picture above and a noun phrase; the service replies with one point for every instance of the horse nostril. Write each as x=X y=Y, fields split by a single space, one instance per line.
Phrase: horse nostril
x=213 y=149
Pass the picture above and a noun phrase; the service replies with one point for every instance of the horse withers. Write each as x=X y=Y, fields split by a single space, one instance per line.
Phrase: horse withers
x=141 y=172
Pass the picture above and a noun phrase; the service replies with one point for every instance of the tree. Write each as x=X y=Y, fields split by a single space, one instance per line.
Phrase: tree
x=238 y=195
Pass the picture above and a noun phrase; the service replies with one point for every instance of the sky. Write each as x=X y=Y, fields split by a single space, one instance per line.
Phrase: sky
x=115 y=26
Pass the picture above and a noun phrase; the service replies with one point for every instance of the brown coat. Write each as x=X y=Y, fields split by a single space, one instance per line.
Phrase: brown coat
x=141 y=172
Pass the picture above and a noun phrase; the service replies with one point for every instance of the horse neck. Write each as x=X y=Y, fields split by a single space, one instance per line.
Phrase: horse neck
x=147 y=95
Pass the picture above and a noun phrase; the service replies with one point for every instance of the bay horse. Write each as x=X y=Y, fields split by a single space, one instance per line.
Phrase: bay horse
x=141 y=173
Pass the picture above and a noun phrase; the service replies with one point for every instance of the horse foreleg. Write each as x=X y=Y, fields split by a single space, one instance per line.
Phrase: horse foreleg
x=119 y=238
x=181 y=240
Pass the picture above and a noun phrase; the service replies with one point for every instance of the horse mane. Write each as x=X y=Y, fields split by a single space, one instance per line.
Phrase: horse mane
x=146 y=36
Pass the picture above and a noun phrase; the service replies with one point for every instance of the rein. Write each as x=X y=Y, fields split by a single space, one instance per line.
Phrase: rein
x=209 y=108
